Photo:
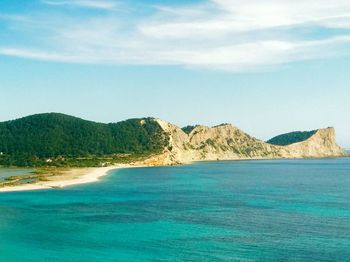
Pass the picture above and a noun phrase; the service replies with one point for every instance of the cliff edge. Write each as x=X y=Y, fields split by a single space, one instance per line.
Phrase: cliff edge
x=227 y=142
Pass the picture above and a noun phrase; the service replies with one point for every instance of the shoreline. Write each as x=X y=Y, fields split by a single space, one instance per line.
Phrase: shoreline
x=78 y=176
x=75 y=176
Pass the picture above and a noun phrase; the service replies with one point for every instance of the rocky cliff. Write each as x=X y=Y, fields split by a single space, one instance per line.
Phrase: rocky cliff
x=60 y=140
x=227 y=142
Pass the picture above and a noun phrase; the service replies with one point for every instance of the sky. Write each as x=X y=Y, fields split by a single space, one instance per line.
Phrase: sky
x=268 y=67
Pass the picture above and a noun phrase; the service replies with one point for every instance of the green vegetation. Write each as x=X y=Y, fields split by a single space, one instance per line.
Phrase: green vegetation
x=39 y=175
x=60 y=140
x=188 y=129
x=291 y=138
x=222 y=124
x=211 y=142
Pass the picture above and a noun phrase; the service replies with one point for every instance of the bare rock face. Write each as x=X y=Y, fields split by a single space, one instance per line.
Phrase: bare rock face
x=226 y=142
x=321 y=144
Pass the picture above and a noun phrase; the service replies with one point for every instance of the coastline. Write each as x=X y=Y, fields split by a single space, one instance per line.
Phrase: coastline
x=71 y=177
x=77 y=176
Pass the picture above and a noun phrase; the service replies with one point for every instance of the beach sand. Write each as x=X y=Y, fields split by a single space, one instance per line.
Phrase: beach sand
x=71 y=177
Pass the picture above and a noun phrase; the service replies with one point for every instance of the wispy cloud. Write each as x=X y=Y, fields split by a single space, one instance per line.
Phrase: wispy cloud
x=232 y=35
x=97 y=4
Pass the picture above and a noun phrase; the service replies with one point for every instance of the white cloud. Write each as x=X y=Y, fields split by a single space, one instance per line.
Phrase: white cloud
x=232 y=35
x=38 y=55
x=233 y=16
x=97 y=4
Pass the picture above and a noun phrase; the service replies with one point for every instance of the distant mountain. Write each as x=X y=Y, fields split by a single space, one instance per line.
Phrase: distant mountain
x=36 y=139
x=291 y=138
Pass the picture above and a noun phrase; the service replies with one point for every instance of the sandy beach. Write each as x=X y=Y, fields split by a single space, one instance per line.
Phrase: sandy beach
x=71 y=177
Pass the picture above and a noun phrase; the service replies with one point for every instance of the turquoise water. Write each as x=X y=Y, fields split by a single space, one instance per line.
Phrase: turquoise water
x=282 y=210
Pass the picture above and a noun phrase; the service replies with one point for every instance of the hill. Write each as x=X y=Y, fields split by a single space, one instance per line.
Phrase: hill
x=227 y=142
x=51 y=135
x=54 y=139
x=291 y=138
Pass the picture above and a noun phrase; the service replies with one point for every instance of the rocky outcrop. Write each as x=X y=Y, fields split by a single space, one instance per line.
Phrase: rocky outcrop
x=321 y=144
x=227 y=142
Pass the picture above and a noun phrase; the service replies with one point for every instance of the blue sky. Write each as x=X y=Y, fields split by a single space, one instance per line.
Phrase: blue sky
x=268 y=67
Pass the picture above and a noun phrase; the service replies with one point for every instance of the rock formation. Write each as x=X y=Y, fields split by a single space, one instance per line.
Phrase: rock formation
x=226 y=142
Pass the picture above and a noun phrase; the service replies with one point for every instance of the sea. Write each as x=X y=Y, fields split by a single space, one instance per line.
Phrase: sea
x=268 y=210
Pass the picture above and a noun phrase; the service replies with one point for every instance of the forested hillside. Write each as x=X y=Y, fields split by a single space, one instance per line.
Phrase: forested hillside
x=53 y=135
x=291 y=138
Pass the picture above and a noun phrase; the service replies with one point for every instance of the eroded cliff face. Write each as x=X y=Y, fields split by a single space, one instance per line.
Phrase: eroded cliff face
x=226 y=142
x=321 y=144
